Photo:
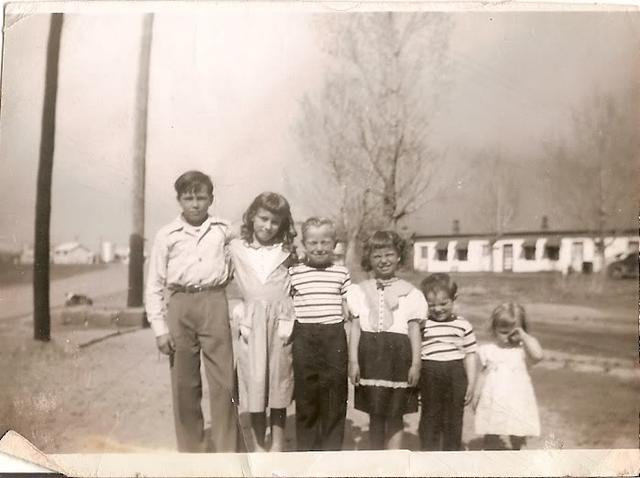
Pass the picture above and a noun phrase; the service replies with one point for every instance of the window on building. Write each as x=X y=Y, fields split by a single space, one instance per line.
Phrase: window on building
x=424 y=252
x=462 y=250
x=529 y=253
x=552 y=248
x=552 y=253
x=441 y=250
x=529 y=249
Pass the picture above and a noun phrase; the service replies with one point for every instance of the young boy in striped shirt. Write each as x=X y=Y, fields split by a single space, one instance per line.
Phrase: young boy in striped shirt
x=448 y=372
x=319 y=288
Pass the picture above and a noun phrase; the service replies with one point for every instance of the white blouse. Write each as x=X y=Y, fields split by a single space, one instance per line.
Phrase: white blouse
x=412 y=306
x=264 y=260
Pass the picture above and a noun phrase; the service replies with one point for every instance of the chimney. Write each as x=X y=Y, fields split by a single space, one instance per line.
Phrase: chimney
x=456 y=226
x=545 y=223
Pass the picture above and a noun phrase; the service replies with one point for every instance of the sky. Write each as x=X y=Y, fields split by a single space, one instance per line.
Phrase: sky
x=225 y=95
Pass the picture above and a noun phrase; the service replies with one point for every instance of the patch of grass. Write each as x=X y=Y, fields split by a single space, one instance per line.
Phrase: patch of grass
x=550 y=287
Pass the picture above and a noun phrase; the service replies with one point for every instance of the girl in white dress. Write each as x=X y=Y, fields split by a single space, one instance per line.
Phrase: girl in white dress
x=504 y=400
x=265 y=317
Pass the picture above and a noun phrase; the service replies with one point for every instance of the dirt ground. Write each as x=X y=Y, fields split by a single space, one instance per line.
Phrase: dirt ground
x=114 y=395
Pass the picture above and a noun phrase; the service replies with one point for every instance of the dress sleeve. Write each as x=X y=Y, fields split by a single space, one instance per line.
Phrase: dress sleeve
x=355 y=300
x=416 y=307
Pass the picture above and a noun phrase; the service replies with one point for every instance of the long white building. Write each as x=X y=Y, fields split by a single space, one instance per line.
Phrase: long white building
x=533 y=251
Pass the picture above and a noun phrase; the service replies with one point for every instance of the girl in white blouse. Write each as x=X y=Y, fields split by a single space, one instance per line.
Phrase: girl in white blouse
x=384 y=350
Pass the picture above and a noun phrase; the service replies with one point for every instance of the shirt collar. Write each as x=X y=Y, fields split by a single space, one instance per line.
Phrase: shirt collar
x=179 y=223
x=257 y=245
x=384 y=283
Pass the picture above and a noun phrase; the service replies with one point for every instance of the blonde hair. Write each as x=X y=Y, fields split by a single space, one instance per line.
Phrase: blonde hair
x=508 y=313
x=318 y=222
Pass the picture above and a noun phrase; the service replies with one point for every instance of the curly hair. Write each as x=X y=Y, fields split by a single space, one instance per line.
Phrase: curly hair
x=509 y=313
x=437 y=282
x=379 y=240
x=277 y=205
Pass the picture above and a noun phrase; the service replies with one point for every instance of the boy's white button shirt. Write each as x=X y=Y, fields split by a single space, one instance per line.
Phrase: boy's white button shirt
x=185 y=255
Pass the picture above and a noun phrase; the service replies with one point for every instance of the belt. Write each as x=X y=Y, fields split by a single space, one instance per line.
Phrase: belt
x=193 y=289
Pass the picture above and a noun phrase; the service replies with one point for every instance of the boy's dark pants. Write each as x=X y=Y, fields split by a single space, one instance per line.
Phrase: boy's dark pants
x=199 y=323
x=320 y=378
x=442 y=389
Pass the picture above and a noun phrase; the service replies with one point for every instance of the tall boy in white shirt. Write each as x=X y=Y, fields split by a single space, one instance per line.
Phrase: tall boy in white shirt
x=187 y=308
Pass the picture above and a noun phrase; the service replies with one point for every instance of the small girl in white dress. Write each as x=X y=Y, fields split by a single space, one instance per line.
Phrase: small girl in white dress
x=504 y=400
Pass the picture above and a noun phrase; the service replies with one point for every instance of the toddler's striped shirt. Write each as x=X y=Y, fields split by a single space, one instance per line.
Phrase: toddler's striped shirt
x=318 y=293
x=445 y=341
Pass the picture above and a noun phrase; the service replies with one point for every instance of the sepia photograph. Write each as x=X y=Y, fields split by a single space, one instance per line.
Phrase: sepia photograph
x=265 y=228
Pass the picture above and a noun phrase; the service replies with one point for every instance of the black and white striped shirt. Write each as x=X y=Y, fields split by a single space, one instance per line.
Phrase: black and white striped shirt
x=318 y=293
x=445 y=341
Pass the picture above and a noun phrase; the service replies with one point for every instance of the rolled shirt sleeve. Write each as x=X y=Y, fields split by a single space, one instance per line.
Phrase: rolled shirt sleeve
x=155 y=303
x=417 y=307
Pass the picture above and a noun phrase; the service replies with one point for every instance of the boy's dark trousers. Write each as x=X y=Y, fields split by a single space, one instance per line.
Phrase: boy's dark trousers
x=199 y=324
x=320 y=378
x=443 y=386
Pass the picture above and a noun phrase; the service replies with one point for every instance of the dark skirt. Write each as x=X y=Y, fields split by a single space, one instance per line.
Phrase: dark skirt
x=385 y=359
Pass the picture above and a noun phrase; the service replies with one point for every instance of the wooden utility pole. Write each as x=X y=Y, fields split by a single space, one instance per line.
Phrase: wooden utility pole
x=41 y=316
x=136 y=239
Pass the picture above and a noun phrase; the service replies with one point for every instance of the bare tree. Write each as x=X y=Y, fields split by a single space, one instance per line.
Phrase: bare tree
x=594 y=174
x=368 y=129
x=498 y=201
x=41 y=313
x=136 y=239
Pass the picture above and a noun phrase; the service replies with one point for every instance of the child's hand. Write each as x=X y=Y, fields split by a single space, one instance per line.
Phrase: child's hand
x=237 y=313
x=245 y=331
x=515 y=337
x=468 y=396
x=354 y=372
x=414 y=375
x=285 y=328
x=475 y=399
x=165 y=344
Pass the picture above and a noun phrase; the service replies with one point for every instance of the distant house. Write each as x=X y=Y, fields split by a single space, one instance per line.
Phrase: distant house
x=532 y=251
x=72 y=253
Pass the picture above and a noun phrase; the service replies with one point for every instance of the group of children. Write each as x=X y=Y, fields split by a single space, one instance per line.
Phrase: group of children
x=406 y=345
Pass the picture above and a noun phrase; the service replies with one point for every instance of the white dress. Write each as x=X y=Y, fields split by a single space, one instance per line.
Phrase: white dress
x=507 y=404
x=265 y=363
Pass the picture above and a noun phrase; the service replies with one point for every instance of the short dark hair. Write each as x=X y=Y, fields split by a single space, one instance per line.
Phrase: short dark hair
x=276 y=204
x=439 y=282
x=192 y=181
x=379 y=240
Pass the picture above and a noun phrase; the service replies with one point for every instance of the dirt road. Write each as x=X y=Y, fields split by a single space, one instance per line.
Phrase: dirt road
x=114 y=396
x=16 y=301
